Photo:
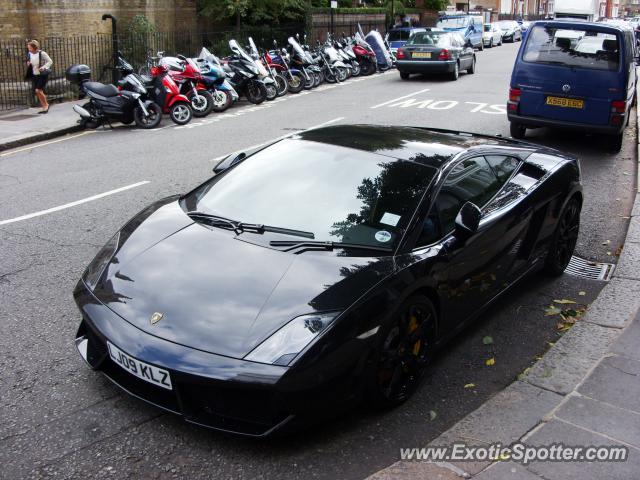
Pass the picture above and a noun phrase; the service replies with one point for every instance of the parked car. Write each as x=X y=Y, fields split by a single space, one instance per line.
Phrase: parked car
x=398 y=36
x=436 y=51
x=510 y=31
x=322 y=271
x=491 y=35
x=577 y=75
x=469 y=26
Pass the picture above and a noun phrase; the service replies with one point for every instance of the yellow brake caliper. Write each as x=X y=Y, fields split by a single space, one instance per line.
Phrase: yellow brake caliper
x=413 y=325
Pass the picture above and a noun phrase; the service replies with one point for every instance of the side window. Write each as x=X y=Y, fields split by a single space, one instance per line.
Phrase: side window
x=503 y=166
x=471 y=180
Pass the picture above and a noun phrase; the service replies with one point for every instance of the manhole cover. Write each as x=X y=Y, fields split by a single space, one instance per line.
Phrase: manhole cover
x=579 y=267
x=13 y=118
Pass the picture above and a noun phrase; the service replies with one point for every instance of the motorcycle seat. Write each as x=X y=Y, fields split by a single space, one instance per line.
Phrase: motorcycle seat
x=101 y=89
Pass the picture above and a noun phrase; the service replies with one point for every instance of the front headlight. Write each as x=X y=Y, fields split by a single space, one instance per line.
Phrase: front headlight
x=285 y=344
x=95 y=269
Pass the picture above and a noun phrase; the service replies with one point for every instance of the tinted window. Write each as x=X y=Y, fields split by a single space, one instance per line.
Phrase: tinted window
x=340 y=194
x=395 y=35
x=502 y=166
x=572 y=47
x=487 y=28
x=453 y=22
x=471 y=180
x=430 y=38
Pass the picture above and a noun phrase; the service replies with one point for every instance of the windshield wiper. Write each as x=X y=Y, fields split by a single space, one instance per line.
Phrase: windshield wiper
x=240 y=227
x=293 y=245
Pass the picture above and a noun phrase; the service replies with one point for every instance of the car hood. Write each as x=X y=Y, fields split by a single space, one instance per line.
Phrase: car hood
x=217 y=292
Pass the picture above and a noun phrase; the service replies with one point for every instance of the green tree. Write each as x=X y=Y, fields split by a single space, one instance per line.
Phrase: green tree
x=225 y=9
x=255 y=11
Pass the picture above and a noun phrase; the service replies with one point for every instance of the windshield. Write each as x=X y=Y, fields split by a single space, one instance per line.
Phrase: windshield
x=397 y=35
x=573 y=47
x=453 y=22
x=239 y=50
x=487 y=27
x=296 y=46
x=430 y=38
x=254 y=49
x=340 y=194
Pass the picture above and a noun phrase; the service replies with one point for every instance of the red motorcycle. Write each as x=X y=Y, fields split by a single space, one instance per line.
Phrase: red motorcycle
x=365 y=55
x=186 y=74
x=166 y=93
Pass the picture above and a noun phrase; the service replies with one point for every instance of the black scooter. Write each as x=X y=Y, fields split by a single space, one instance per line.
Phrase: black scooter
x=107 y=103
x=245 y=75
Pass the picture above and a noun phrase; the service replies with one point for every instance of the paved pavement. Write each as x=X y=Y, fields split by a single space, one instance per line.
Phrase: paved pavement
x=23 y=127
x=61 y=199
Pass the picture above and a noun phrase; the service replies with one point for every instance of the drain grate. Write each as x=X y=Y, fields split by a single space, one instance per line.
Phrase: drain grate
x=579 y=267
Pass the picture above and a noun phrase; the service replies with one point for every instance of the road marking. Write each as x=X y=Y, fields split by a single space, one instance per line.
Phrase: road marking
x=217 y=159
x=73 y=204
x=400 y=98
x=46 y=143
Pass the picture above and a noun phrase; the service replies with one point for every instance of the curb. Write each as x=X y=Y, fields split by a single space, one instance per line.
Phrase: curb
x=39 y=137
x=529 y=403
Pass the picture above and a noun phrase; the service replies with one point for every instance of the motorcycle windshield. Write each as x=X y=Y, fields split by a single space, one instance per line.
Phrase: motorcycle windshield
x=361 y=41
x=254 y=49
x=332 y=53
x=298 y=49
x=135 y=82
x=193 y=65
x=209 y=57
x=238 y=50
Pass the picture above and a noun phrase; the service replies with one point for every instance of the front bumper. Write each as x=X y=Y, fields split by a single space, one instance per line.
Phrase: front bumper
x=214 y=391
x=536 y=122
x=426 y=66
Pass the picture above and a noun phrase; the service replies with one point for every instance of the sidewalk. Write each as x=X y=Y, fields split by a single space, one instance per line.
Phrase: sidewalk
x=22 y=127
x=585 y=391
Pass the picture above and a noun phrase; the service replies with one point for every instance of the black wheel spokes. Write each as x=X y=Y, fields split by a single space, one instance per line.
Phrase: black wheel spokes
x=404 y=354
x=568 y=235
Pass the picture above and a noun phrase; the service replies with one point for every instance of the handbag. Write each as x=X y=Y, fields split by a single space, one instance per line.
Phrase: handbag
x=29 y=73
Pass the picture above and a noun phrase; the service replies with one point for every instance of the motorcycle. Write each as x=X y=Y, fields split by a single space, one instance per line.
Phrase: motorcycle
x=280 y=81
x=245 y=74
x=303 y=62
x=107 y=103
x=365 y=55
x=215 y=78
x=279 y=60
x=186 y=74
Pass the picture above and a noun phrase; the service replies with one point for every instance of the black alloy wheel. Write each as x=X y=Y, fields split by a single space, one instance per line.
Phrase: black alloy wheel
x=564 y=239
x=404 y=350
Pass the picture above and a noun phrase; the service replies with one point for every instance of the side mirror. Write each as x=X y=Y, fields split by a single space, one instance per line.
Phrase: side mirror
x=229 y=162
x=467 y=221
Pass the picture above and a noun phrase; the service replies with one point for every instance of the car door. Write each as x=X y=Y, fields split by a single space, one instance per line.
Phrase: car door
x=465 y=53
x=466 y=273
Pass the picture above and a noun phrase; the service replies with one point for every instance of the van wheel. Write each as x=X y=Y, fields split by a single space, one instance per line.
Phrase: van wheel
x=472 y=69
x=614 y=142
x=481 y=48
x=517 y=131
x=456 y=72
x=491 y=43
x=404 y=75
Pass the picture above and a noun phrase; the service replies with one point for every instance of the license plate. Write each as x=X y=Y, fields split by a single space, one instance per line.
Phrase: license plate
x=565 y=102
x=421 y=55
x=142 y=370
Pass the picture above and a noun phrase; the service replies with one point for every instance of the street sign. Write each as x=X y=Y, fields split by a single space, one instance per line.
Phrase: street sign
x=334 y=4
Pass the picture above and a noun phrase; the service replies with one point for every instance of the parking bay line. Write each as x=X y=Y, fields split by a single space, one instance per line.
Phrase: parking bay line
x=73 y=204
x=31 y=147
x=278 y=138
x=400 y=98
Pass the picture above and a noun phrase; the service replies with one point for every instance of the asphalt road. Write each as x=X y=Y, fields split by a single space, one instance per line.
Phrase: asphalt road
x=58 y=418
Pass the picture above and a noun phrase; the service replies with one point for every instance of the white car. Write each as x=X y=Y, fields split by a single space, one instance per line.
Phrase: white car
x=491 y=35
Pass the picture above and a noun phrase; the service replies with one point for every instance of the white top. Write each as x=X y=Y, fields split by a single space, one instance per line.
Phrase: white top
x=34 y=58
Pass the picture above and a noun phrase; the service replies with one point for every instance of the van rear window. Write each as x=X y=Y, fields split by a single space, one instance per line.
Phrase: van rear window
x=573 y=48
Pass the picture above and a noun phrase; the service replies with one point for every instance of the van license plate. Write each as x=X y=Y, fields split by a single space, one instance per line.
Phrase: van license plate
x=565 y=102
x=421 y=55
x=142 y=370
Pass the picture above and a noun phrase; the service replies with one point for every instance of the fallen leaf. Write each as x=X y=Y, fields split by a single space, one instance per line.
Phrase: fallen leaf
x=490 y=362
x=432 y=415
x=582 y=293
x=564 y=301
x=552 y=310
x=487 y=340
x=470 y=385
x=608 y=253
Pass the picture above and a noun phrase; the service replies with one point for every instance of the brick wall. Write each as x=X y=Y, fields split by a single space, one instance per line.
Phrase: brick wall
x=47 y=18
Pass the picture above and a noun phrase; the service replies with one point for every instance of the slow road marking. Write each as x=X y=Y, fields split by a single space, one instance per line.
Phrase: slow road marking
x=73 y=204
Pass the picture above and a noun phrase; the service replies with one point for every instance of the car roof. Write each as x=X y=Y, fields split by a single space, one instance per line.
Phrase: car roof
x=571 y=24
x=395 y=29
x=431 y=147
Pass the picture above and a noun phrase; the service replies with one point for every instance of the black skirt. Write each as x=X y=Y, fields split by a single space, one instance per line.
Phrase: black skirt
x=39 y=81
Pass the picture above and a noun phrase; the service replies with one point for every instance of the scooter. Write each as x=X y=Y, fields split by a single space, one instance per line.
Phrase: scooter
x=215 y=78
x=281 y=83
x=107 y=103
x=279 y=59
x=245 y=74
x=365 y=55
x=186 y=74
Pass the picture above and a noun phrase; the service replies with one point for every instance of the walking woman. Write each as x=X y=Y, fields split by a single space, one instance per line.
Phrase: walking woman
x=38 y=69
